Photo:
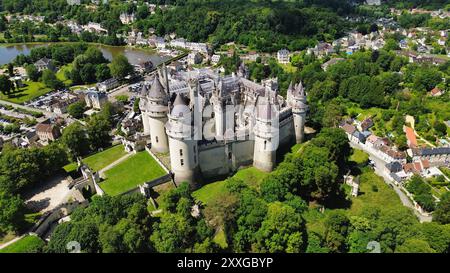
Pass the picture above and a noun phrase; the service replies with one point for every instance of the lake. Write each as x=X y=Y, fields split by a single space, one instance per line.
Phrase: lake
x=135 y=56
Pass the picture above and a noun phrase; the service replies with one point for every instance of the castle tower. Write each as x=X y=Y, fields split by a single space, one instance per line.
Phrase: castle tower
x=183 y=148
x=143 y=107
x=157 y=108
x=296 y=98
x=219 y=110
x=266 y=133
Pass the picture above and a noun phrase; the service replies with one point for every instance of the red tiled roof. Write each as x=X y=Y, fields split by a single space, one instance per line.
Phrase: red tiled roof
x=350 y=129
x=426 y=164
x=411 y=136
x=435 y=91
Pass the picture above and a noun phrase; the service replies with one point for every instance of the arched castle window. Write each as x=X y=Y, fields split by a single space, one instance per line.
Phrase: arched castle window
x=157 y=140
x=181 y=152
x=265 y=145
x=182 y=162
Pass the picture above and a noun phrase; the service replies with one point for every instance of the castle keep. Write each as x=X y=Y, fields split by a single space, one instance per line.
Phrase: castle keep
x=211 y=125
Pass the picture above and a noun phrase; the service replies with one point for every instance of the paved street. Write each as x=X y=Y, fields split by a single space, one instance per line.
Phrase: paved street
x=380 y=171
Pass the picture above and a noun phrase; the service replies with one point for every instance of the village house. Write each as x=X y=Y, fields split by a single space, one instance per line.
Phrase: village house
x=436 y=156
x=108 y=85
x=365 y=124
x=321 y=49
x=283 y=56
x=94 y=28
x=144 y=67
x=95 y=99
x=411 y=139
x=419 y=167
x=353 y=134
x=390 y=155
x=194 y=58
x=436 y=92
x=127 y=19
x=251 y=56
x=47 y=132
x=197 y=47
x=44 y=64
x=215 y=59
x=160 y=43
x=73 y=2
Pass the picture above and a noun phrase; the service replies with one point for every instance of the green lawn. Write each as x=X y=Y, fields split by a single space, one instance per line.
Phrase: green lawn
x=130 y=173
x=27 y=244
x=374 y=192
x=62 y=76
x=359 y=156
x=100 y=160
x=252 y=176
x=289 y=68
x=220 y=239
x=30 y=91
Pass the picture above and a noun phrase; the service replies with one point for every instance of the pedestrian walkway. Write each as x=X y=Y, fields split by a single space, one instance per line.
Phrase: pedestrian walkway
x=101 y=173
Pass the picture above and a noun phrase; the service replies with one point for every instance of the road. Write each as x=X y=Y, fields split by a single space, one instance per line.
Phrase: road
x=15 y=105
x=380 y=171
x=47 y=114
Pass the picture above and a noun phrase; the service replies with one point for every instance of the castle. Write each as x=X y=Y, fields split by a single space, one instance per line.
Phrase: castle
x=212 y=125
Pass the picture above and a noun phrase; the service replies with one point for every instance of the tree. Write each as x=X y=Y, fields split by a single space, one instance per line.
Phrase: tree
x=437 y=236
x=102 y=72
x=98 y=128
x=336 y=231
x=442 y=212
x=120 y=67
x=11 y=212
x=281 y=231
x=415 y=246
x=32 y=72
x=122 y=98
x=75 y=139
x=332 y=114
x=77 y=109
x=440 y=128
x=426 y=78
x=136 y=108
x=5 y=84
x=391 y=44
x=50 y=80
x=172 y=234
x=88 y=73
x=10 y=69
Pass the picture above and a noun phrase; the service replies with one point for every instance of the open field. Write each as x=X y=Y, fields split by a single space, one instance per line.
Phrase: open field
x=30 y=91
x=100 y=160
x=27 y=244
x=130 y=173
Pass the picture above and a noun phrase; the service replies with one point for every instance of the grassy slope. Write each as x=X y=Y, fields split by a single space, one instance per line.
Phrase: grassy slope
x=132 y=172
x=251 y=176
x=62 y=76
x=374 y=192
x=100 y=160
x=24 y=245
